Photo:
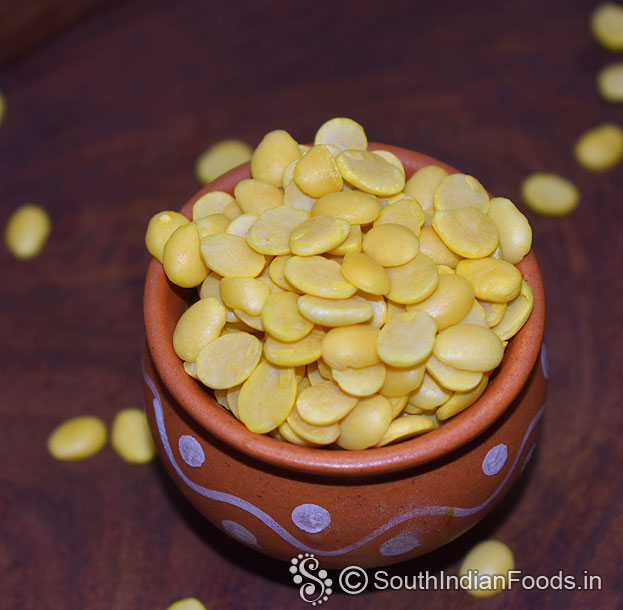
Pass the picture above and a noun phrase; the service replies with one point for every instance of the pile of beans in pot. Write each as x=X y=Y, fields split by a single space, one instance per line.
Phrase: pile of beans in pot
x=341 y=304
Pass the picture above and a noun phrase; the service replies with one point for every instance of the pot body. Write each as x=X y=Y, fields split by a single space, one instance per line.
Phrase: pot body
x=364 y=520
x=367 y=508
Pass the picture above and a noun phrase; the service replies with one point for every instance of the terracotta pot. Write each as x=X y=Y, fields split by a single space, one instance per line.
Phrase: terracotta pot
x=369 y=508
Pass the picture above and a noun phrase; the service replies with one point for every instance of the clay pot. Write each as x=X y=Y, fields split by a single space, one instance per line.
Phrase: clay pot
x=369 y=508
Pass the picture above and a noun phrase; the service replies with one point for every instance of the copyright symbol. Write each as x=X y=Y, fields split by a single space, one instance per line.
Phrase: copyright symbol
x=353 y=580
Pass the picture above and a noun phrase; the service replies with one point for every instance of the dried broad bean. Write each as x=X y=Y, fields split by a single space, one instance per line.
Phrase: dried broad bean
x=352 y=243
x=428 y=396
x=220 y=158
x=402 y=381
x=469 y=347
x=318 y=435
x=405 y=427
x=131 y=438
x=230 y=255
x=366 y=424
x=371 y=173
x=354 y=206
x=254 y=196
x=460 y=191
x=406 y=212
x=513 y=228
x=200 y=324
x=181 y=257
x=449 y=303
x=317 y=174
x=160 y=227
x=366 y=273
x=266 y=398
x=317 y=235
x=468 y=232
x=516 y=313
x=610 y=82
x=390 y=245
x=432 y=245
x=228 y=360
x=607 y=25
x=413 y=281
x=407 y=340
x=324 y=404
x=282 y=319
x=212 y=224
x=241 y=224
x=423 y=184
x=214 y=202
x=459 y=401
x=343 y=133
x=493 y=280
x=318 y=276
x=334 y=312
x=360 y=382
x=277 y=150
x=188 y=603
x=549 y=194
x=600 y=148
x=78 y=438
x=452 y=378
x=296 y=353
x=270 y=233
x=492 y=561
x=245 y=293
x=351 y=347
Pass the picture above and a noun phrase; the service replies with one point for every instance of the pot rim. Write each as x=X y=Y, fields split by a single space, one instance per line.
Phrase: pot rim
x=517 y=364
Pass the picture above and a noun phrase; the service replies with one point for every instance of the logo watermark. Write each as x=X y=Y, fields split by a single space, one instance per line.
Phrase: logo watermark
x=316 y=585
x=315 y=588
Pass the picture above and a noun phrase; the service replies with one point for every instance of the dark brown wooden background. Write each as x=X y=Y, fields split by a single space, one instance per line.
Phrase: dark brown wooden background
x=103 y=126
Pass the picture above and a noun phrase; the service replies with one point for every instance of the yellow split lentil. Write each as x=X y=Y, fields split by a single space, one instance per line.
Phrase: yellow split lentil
x=220 y=158
x=161 y=226
x=549 y=194
x=607 y=25
x=460 y=191
x=277 y=150
x=489 y=564
x=200 y=324
x=131 y=438
x=353 y=206
x=610 y=82
x=317 y=174
x=188 y=603
x=27 y=230
x=267 y=397
x=214 y=202
x=343 y=133
x=600 y=148
x=360 y=382
x=423 y=184
x=342 y=302
x=181 y=257
x=78 y=438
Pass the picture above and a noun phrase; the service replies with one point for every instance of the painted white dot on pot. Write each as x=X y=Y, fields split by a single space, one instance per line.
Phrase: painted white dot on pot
x=402 y=543
x=239 y=532
x=495 y=459
x=311 y=518
x=544 y=361
x=191 y=451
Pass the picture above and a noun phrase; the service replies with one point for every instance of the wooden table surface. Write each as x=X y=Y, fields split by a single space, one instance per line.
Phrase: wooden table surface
x=103 y=126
